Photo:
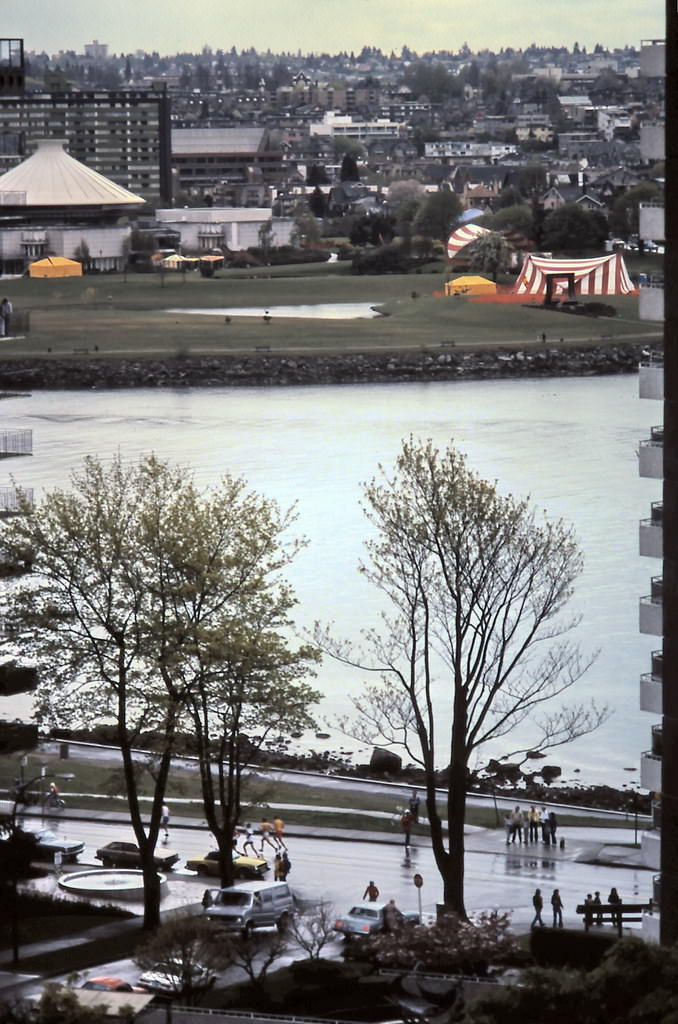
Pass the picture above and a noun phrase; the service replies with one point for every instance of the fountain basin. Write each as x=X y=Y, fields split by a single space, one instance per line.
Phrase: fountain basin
x=117 y=884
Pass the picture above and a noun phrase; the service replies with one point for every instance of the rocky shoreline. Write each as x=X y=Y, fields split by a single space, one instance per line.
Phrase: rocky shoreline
x=267 y=370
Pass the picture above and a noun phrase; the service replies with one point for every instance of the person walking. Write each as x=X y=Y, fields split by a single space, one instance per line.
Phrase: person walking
x=597 y=903
x=588 y=913
x=371 y=893
x=277 y=868
x=164 y=820
x=278 y=832
x=538 y=904
x=557 y=905
x=414 y=805
x=406 y=826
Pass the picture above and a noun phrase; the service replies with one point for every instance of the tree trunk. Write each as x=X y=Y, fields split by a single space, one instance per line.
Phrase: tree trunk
x=453 y=873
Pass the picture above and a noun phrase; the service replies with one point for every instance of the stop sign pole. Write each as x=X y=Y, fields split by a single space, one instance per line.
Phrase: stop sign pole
x=418 y=881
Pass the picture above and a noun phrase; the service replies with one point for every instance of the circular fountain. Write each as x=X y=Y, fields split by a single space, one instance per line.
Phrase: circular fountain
x=116 y=884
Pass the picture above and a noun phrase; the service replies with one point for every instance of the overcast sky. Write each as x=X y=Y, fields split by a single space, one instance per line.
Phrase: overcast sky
x=170 y=26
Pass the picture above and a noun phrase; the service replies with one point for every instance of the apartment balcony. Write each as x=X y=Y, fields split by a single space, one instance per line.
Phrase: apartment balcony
x=651 y=686
x=651 y=455
x=651 y=609
x=15 y=442
x=650 y=849
x=651 y=771
x=651 y=378
x=12 y=499
x=651 y=532
x=657 y=740
x=651 y=300
x=651 y=221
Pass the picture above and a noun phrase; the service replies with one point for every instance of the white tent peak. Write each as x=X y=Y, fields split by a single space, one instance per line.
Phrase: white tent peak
x=51 y=177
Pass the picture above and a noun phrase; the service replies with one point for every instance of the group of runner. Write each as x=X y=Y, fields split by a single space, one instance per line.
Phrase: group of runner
x=271 y=834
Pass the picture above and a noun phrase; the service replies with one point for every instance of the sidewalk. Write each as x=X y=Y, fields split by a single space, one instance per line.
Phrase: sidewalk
x=608 y=846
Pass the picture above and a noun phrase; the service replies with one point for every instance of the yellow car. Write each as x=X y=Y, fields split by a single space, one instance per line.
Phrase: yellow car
x=245 y=867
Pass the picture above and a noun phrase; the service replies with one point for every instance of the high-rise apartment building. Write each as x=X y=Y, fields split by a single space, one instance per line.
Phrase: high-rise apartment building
x=123 y=134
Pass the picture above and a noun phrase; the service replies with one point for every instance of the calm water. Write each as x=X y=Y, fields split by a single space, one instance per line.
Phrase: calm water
x=571 y=444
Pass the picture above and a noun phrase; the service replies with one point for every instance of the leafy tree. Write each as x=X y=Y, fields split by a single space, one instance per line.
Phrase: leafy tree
x=306 y=229
x=317 y=176
x=636 y=981
x=531 y=180
x=519 y=218
x=405 y=191
x=490 y=254
x=135 y=573
x=317 y=203
x=349 y=168
x=82 y=253
x=571 y=228
x=343 y=144
x=265 y=237
x=509 y=196
x=437 y=214
x=474 y=643
x=372 y=229
x=183 y=945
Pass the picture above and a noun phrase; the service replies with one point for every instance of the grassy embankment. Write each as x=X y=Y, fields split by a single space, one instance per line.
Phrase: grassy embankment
x=129 y=319
x=321 y=806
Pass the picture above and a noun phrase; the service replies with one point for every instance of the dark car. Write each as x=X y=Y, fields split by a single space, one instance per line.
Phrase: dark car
x=126 y=855
x=46 y=844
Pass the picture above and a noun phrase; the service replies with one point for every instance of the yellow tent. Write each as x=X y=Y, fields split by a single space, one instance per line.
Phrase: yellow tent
x=470 y=285
x=55 y=266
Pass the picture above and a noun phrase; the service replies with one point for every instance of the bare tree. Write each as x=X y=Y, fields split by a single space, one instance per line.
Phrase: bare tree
x=256 y=952
x=313 y=928
x=187 y=950
x=473 y=643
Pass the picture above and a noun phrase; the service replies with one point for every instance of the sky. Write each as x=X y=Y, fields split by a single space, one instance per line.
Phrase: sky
x=171 y=26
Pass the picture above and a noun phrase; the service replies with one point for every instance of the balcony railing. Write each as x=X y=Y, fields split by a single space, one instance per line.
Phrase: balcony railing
x=658 y=664
x=15 y=442
x=657 y=740
x=11 y=500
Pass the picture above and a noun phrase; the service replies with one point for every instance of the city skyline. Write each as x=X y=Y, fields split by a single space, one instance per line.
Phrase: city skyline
x=329 y=25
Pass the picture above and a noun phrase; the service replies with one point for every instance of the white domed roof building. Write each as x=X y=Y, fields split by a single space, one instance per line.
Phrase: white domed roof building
x=51 y=204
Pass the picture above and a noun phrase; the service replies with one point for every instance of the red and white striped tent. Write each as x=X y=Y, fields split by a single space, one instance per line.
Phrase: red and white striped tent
x=463 y=236
x=601 y=275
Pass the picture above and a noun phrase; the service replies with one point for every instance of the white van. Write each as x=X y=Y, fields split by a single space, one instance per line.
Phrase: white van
x=251 y=905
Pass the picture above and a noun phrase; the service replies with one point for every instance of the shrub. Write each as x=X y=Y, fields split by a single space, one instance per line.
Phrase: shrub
x=565 y=947
x=451 y=944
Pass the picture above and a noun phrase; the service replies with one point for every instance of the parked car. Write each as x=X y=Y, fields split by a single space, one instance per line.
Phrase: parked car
x=126 y=855
x=170 y=978
x=47 y=843
x=252 y=905
x=111 y=985
x=368 y=918
x=245 y=867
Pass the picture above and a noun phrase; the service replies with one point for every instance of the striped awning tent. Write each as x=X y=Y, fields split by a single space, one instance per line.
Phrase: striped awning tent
x=600 y=275
x=463 y=236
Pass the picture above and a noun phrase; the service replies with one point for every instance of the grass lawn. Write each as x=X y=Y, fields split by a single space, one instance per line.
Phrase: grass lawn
x=129 y=318
x=321 y=806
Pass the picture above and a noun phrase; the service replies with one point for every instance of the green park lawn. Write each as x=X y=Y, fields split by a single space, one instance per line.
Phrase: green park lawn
x=114 y=317
x=322 y=806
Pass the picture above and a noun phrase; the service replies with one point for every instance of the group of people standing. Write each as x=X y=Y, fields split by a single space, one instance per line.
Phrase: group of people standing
x=530 y=826
x=557 y=906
